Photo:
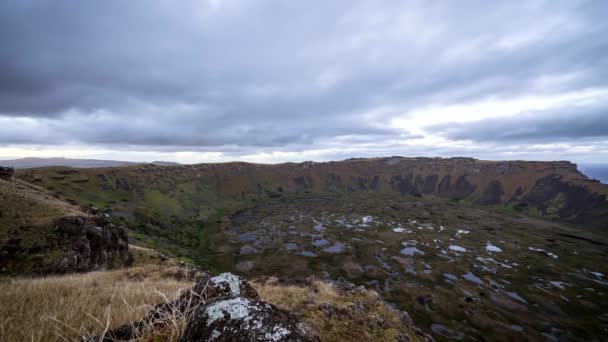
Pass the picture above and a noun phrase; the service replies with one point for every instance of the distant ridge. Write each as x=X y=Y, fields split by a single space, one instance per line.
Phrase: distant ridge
x=29 y=163
x=552 y=189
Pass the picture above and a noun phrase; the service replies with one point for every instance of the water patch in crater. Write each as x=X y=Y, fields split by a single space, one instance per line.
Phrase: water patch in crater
x=442 y=330
x=472 y=278
x=450 y=276
x=600 y=282
x=490 y=260
x=367 y=219
x=515 y=296
x=410 y=248
x=461 y=232
x=248 y=237
x=493 y=249
x=517 y=328
x=543 y=251
x=411 y=251
x=457 y=248
x=337 y=247
x=320 y=242
x=559 y=284
x=247 y=250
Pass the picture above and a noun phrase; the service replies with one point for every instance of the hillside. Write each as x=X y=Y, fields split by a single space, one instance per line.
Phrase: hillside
x=193 y=192
x=40 y=233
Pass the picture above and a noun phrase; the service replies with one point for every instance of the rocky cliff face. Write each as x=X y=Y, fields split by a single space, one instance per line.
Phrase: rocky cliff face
x=71 y=244
x=554 y=189
x=90 y=243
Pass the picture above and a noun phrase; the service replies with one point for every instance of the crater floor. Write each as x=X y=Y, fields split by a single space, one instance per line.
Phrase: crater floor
x=462 y=271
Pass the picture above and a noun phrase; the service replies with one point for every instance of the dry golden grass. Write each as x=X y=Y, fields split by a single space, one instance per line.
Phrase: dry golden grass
x=61 y=308
x=66 y=308
x=338 y=315
x=145 y=256
x=24 y=204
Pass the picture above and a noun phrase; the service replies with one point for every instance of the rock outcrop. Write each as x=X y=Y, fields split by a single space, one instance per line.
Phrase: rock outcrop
x=241 y=319
x=70 y=244
x=6 y=173
x=221 y=308
x=90 y=243
x=40 y=233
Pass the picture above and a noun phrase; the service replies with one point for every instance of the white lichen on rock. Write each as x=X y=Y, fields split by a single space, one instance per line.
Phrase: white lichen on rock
x=234 y=282
x=278 y=332
x=236 y=308
x=252 y=315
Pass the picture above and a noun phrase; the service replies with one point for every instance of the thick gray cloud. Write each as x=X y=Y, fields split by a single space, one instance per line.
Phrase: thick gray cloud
x=571 y=124
x=273 y=75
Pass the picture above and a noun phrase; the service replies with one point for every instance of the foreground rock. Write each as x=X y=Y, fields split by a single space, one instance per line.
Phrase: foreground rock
x=222 y=308
x=242 y=319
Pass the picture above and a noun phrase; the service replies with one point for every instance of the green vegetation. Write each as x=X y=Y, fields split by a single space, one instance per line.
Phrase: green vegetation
x=556 y=204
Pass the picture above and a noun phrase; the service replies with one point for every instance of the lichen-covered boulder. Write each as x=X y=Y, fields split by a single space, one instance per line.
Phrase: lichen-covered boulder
x=225 y=284
x=241 y=319
x=205 y=289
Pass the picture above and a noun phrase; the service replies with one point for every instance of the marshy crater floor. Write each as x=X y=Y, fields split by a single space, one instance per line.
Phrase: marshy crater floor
x=463 y=272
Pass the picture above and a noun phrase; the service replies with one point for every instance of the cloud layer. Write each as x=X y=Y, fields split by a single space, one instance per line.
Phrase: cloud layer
x=271 y=78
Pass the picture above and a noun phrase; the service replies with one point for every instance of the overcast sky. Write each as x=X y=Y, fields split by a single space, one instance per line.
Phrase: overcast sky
x=274 y=81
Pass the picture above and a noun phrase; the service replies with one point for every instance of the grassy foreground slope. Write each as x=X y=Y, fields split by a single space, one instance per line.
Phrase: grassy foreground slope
x=66 y=308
